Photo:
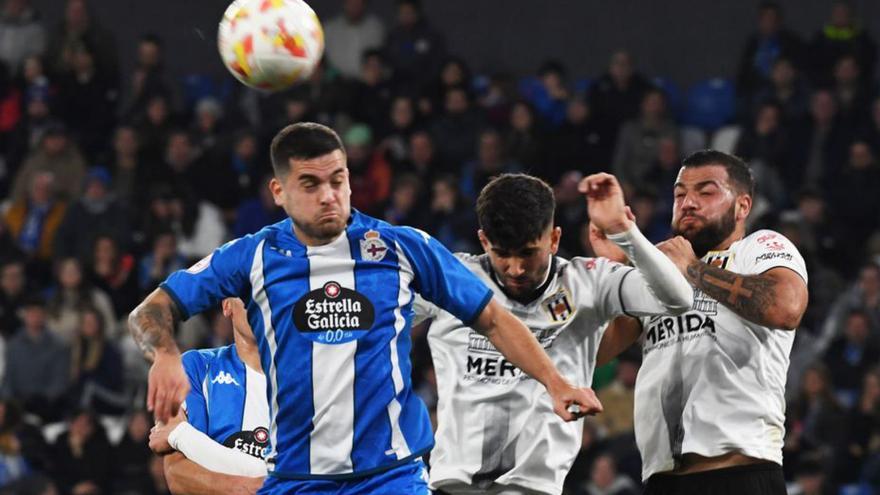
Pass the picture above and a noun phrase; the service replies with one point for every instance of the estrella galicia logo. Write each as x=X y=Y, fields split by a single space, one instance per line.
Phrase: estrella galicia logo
x=252 y=443
x=333 y=314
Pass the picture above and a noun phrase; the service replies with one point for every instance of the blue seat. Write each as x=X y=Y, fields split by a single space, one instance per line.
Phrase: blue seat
x=856 y=489
x=198 y=86
x=673 y=96
x=582 y=85
x=710 y=104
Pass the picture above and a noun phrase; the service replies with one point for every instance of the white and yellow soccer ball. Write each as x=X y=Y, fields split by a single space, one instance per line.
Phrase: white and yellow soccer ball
x=270 y=44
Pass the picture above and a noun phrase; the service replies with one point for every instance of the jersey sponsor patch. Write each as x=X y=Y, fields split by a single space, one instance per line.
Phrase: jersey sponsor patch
x=200 y=265
x=373 y=248
x=333 y=314
x=252 y=443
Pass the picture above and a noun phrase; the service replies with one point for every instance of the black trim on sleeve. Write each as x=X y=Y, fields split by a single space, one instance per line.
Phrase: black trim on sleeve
x=620 y=293
x=184 y=314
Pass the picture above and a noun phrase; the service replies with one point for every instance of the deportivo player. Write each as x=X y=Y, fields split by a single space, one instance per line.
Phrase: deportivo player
x=329 y=296
x=496 y=429
x=218 y=442
x=709 y=397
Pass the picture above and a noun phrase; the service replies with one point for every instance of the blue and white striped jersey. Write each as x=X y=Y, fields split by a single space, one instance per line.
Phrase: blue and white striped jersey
x=227 y=400
x=333 y=327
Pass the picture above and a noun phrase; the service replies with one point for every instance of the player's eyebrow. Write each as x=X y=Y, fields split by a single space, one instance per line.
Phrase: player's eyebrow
x=699 y=185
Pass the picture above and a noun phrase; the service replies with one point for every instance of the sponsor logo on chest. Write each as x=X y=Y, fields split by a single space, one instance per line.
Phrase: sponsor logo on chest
x=333 y=314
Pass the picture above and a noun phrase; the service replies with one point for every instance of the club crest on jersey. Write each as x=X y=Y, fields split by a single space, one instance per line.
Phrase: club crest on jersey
x=559 y=306
x=333 y=314
x=373 y=248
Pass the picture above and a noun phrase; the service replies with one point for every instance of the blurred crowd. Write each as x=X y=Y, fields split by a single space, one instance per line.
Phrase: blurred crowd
x=114 y=180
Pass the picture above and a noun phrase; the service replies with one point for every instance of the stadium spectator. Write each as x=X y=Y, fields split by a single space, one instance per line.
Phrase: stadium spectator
x=255 y=213
x=770 y=42
x=96 y=367
x=21 y=32
x=86 y=101
x=235 y=174
x=814 y=420
x=115 y=272
x=79 y=27
x=71 y=296
x=83 y=457
x=371 y=94
x=455 y=132
x=605 y=480
x=414 y=49
x=637 y=142
x=132 y=457
x=12 y=294
x=127 y=166
x=523 y=140
x=618 y=399
x=148 y=77
x=819 y=143
x=161 y=262
x=96 y=212
x=490 y=161
x=578 y=144
x=405 y=207
x=787 y=89
x=32 y=125
x=37 y=365
x=206 y=132
x=369 y=171
x=351 y=34
x=864 y=429
x=155 y=126
x=453 y=73
x=840 y=36
x=853 y=193
x=401 y=125
x=450 y=219
x=197 y=225
x=550 y=96
x=56 y=154
x=423 y=161
x=617 y=95
x=852 y=93
x=34 y=221
x=23 y=449
x=852 y=355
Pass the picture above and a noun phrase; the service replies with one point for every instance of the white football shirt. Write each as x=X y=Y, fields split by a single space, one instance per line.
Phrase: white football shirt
x=711 y=382
x=496 y=425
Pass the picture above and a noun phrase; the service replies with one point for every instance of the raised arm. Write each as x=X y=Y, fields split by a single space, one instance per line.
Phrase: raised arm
x=517 y=343
x=186 y=477
x=152 y=326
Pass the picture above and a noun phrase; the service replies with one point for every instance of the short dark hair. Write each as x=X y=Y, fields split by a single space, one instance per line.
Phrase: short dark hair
x=302 y=141
x=515 y=209
x=738 y=171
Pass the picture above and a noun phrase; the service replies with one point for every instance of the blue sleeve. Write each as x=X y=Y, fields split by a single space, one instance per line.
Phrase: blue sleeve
x=441 y=278
x=195 y=366
x=223 y=273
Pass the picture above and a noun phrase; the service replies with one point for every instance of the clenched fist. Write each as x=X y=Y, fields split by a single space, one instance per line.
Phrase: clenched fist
x=605 y=203
x=679 y=250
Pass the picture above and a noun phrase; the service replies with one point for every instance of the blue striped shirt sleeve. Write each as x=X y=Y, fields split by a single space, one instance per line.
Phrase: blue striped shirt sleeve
x=223 y=273
x=441 y=278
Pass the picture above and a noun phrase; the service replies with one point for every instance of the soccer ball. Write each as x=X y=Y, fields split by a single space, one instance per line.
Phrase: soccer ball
x=270 y=44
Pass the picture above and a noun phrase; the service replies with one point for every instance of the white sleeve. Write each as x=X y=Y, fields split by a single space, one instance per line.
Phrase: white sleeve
x=423 y=310
x=656 y=286
x=765 y=250
x=205 y=452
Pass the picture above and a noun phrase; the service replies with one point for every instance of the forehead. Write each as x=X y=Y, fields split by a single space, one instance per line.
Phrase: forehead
x=321 y=166
x=693 y=176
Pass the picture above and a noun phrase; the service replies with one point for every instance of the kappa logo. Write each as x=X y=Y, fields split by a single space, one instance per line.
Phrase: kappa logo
x=224 y=378
x=373 y=248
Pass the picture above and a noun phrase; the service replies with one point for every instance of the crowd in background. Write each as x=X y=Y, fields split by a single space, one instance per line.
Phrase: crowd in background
x=114 y=180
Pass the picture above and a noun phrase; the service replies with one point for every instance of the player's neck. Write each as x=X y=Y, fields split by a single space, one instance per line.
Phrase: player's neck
x=738 y=233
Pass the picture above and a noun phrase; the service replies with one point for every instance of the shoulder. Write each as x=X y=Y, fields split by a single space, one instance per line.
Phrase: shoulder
x=766 y=239
x=198 y=360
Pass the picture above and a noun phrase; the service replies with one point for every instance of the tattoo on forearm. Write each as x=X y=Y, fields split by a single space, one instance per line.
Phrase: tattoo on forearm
x=152 y=326
x=749 y=296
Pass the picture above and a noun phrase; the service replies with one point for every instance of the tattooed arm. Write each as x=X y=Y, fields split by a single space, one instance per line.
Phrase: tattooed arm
x=776 y=298
x=152 y=326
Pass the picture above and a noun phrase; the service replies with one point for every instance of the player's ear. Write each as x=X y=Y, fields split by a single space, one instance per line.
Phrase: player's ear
x=484 y=241
x=743 y=206
x=555 y=237
x=277 y=191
